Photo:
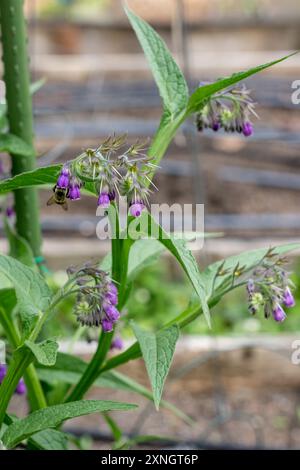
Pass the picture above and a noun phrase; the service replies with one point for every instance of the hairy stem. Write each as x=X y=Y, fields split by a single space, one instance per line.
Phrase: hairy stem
x=35 y=392
x=19 y=363
x=19 y=114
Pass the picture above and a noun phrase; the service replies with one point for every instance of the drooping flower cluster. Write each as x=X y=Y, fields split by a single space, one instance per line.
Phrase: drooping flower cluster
x=126 y=174
x=230 y=110
x=270 y=288
x=97 y=297
x=21 y=387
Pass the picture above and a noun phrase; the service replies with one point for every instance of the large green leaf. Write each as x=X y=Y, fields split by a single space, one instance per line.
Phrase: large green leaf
x=44 y=352
x=146 y=225
x=37 y=177
x=204 y=92
x=158 y=350
x=168 y=76
x=53 y=416
x=19 y=248
x=68 y=369
x=48 y=439
x=33 y=294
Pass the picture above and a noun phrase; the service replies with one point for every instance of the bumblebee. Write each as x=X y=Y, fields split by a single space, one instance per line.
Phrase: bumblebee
x=59 y=197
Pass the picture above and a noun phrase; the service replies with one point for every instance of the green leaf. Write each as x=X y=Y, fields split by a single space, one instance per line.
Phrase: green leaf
x=48 y=439
x=19 y=248
x=8 y=302
x=168 y=76
x=114 y=379
x=44 y=352
x=37 y=177
x=53 y=416
x=183 y=255
x=33 y=294
x=68 y=369
x=157 y=349
x=206 y=91
x=142 y=254
x=15 y=145
x=248 y=259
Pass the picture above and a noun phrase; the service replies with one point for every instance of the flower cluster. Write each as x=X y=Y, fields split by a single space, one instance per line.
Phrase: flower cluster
x=270 y=288
x=230 y=110
x=112 y=172
x=97 y=297
x=21 y=387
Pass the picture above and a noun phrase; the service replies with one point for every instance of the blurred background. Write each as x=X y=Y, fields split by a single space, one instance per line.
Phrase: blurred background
x=237 y=380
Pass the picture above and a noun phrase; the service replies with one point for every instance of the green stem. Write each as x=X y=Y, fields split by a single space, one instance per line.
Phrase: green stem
x=88 y=377
x=20 y=361
x=19 y=105
x=163 y=138
x=134 y=352
x=120 y=255
x=35 y=392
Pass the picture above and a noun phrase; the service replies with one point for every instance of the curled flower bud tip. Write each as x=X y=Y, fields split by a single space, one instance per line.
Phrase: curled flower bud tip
x=111 y=297
x=215 y=126
x=104 y=200
x=112 y=195
x=288 y=298
x=136 y=209
x=63 y=181
x=111 y=312
x=3 y=369
x=278 y=313
x=250 y=286
x=107 y=325
x=9 y=212
x=21 y=388
x=74 y=192
x=247 y=129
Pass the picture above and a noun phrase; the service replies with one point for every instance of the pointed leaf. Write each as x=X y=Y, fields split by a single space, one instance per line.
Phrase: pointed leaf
x=37 y=177
x=48 y=439
x=15 y=145
x=157 y=349
x=168 y=76
x=44 y=352
x=33 y=294
x=53 y=416
x=204 y=92
x=19 y=248
x=183 y=255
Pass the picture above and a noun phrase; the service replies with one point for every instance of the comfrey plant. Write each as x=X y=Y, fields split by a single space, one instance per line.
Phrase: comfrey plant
x=112 y=173
x=57 y=383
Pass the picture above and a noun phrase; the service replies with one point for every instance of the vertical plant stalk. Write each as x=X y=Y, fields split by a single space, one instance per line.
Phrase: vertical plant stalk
x=19 y=363
x=120 y=255
x=35 y=392
x=19 y=114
